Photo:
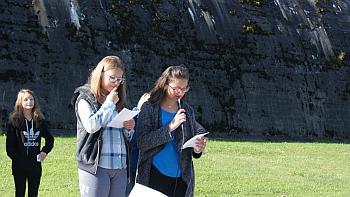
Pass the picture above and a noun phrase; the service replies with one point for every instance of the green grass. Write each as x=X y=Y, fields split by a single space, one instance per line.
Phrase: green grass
x=273 y=169
x=60 y=172
x=227 y=169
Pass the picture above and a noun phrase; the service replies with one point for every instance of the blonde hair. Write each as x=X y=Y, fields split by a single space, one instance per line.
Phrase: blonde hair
x=17 y=115
x=95 y=79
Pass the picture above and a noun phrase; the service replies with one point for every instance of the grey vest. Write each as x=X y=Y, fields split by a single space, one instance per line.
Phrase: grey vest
x=88 y=144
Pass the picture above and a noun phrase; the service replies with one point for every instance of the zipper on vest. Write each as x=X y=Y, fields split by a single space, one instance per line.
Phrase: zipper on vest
x=128 y=167
x=98 y=153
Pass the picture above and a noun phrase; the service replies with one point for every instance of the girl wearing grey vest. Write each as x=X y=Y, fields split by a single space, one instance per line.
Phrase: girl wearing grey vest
x=102 y=150
x=163 y=125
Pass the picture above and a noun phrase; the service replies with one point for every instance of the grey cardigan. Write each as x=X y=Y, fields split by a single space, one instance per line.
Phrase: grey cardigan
x=151 y=138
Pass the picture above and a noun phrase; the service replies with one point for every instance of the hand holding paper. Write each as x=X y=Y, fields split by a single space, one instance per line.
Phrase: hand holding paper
x=129 y=124
x=191 y=143
x=124 y=115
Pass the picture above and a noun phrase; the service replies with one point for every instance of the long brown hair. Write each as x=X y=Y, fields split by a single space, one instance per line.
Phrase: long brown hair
x=17 y=115
x=157 y=93
x=94 y=81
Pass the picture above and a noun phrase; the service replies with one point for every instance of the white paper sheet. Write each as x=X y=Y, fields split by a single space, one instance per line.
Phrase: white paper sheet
x=143 y=191
x=192 y=142
x=124 y=115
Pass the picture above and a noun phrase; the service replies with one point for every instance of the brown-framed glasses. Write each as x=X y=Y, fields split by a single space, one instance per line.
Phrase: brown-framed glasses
x=177 y=89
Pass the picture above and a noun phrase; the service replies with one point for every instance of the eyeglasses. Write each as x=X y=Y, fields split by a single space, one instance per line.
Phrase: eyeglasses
x=176 y=89
x=118 y=80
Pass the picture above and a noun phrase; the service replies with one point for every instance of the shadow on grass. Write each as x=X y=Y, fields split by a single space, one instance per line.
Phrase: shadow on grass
x=251 y=138
x=63 y=133
x=237 y=138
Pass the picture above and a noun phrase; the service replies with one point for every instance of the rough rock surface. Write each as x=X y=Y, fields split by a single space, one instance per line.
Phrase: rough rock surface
x=257 y=67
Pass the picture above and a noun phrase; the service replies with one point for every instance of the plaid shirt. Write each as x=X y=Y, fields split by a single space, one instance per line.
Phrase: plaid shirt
x=113 y=150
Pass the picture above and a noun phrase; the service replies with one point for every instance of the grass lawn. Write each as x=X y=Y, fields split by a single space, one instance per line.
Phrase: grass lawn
x=229 y=168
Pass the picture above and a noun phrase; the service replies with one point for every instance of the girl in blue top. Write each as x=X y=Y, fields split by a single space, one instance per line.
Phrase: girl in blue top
x=164 y=124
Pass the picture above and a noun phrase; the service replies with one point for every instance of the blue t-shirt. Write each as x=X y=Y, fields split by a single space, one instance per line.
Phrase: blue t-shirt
x=167 y=160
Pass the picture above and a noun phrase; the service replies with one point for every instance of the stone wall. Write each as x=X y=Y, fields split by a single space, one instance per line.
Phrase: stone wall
x=257 y=67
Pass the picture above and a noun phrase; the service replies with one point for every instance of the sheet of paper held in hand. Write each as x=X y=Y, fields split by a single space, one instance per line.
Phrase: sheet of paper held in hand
x=140 y=190
x=192 y=142
x=124 y=115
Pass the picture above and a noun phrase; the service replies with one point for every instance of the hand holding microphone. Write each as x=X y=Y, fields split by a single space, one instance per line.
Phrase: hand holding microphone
x=113 y=95
x=179 y=118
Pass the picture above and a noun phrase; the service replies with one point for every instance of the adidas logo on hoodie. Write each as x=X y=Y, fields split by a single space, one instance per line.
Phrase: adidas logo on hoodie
x=31 y=137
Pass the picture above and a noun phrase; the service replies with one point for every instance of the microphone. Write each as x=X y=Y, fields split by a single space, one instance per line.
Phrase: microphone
x=179 y=103
x=182 y=129
x=182 y=124
x=182 y=143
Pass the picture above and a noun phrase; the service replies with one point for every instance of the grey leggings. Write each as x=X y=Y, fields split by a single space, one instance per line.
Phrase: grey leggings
x=106 y=183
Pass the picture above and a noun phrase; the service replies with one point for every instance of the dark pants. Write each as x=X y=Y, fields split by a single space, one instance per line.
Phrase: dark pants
x=20 y=185
x=166 y=185
x=132 y=182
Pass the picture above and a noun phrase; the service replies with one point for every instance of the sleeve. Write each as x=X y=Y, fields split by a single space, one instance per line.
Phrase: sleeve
x=11 y=141
x=196 y=131
x=128 y=133
x=148 y=135
x=49 y=140
x=93 y=122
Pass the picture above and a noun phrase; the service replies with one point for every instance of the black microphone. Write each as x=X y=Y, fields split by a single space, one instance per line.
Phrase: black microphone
x=182 y=124
x=182 y=144
x=179 y=103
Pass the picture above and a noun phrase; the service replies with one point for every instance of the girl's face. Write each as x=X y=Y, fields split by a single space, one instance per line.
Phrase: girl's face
x=28 y=101
x=176 y=89
x=110 y=79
